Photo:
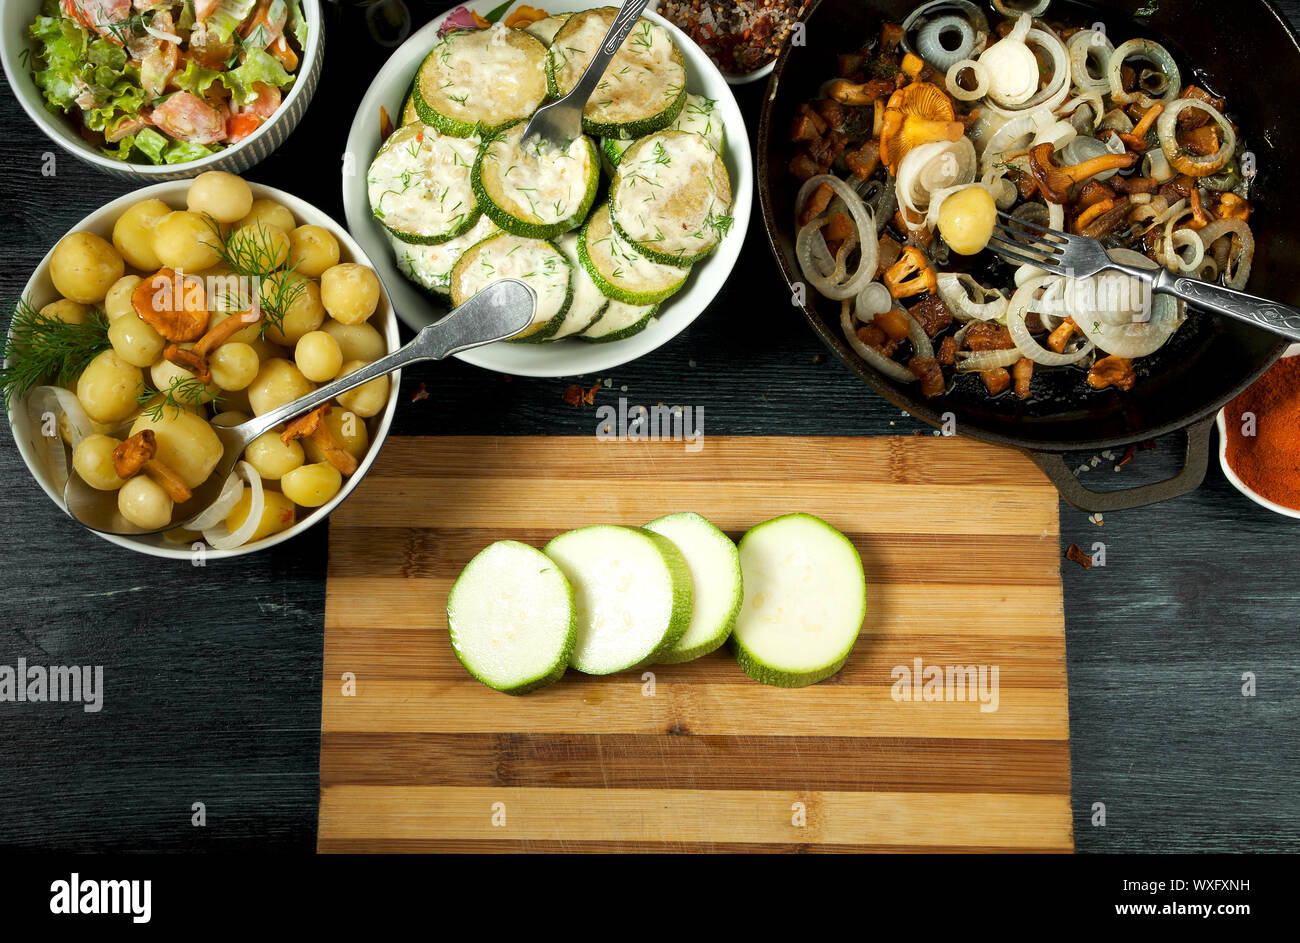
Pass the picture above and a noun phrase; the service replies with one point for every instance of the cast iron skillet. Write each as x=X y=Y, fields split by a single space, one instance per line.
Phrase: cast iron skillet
x=1252 y=57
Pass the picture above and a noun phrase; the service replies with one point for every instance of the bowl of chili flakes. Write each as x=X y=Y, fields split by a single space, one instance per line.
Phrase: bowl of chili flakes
x=742 y=37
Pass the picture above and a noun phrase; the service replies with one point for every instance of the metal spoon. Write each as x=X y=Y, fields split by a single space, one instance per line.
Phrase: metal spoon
x=501 y=310
x=560 y=122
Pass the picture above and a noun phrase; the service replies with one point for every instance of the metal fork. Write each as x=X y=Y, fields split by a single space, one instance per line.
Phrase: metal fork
x=1078 y=257
x=560 y=122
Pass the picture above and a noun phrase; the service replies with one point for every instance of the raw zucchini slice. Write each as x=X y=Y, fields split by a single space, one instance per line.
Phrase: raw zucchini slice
x=546 y=29
x=644 y=86
x=716 y=584
x=632 y=589
x=620 y=320
x=622 y=272
x=481 y=80
x=512 y=618
x=805 y=600
x=588 y=304
x=538 y=263
x=699 y=115
x=535 y=191
x=430 y=266
x=419 y=185
x=671 y=197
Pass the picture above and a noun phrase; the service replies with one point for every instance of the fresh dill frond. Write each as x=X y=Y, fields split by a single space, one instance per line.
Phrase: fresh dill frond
x=255 y=256
x=41 y=349
x=181 y=394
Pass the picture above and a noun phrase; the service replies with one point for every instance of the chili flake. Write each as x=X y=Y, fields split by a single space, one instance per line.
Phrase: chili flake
x=741 y=36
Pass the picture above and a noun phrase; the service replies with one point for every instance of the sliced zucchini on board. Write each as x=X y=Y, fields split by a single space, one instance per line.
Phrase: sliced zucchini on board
x=621 y=271
x=419 y=185
x=478 y=81
x=588 y=304
x=644 y=86
x=512 y=618
x=805 y=601
x=671 y=197
x=430 y=265
x=699 y=115
x=546 y=29
x=633 y=594
x=538 y=263
x=535 y=191
x=716 y=583
x=619 y=322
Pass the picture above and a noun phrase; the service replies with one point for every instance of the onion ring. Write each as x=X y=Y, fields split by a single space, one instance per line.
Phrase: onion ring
x=221 y=537
x=1153 y=53
x=845 y=285
x=1018 y=307
x=873 y=357
x=1167 y=129
x=960 y=92
x=1085 y=47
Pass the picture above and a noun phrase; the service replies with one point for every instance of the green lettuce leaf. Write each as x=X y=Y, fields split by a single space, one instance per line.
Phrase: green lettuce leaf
x=260 y=66
x=226 y=18
x=180 y=152
x=151 y=144
x=296 y=25
x=196 y=78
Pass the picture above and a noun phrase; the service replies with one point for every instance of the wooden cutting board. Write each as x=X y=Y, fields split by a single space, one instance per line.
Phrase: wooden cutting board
x=960 y=545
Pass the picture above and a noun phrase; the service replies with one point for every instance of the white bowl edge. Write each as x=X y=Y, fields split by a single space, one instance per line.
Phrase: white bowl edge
x=1221 y=420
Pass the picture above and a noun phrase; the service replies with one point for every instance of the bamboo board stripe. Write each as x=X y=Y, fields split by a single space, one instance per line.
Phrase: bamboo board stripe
x=960 y=545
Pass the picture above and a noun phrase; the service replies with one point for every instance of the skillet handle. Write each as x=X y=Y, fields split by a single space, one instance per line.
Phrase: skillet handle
x=1195 y=465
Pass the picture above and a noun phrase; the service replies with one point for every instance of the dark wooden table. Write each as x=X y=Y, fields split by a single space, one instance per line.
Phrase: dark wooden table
x=213 y=673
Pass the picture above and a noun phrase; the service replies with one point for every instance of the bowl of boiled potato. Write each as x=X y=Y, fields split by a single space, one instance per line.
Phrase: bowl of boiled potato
x=186 y=304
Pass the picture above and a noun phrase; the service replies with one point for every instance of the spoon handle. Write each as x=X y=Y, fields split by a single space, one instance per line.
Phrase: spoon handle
x=499 y=311
x=627 y=18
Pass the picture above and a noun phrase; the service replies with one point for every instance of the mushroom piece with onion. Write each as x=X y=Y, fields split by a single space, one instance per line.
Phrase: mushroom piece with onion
x=139 y=453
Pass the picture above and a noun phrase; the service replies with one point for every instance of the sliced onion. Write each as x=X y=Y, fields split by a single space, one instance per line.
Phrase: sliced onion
x=1025 y=343
x=1090 y=47
x=231 y=492
x=929 y=41
x=1153 y=53
x=929 y=169
x=1085 y=111
x=1086 y=148
x=219 y=536
x=873 y=357
x=1052 y=95
x=1125 y=333
x=160 y=34
x=959 y=91
x=843 y=285
x=1037 y=8
x=969 y=300
x=1058 y=134
x=1013 y=68
x=1242 y=257
x=61 y=404
x=1190 y=262
x=1167 y=129
x=1015 y=135
x=873 y=300
x=977 y=361
x=1116 y=120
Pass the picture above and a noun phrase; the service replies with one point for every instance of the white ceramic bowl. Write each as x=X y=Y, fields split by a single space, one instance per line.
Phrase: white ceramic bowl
x=40 y=291
x=1222 y=421
x=733 y=78
x=566 y=357
x=17 y=15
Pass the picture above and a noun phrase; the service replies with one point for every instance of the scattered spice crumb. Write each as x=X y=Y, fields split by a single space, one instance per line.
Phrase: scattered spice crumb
x=577 y=396
x=818 y=359
x=421 y=392
x=1129 y=454
x=1096 y=519
x=1078 y=556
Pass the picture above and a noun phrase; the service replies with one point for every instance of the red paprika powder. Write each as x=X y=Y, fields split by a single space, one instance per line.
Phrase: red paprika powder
x=1268 y=462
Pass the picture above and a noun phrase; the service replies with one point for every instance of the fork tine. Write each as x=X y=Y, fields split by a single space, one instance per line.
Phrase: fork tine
x=1017 y=237
x=1034 y=229
x=1017 y=254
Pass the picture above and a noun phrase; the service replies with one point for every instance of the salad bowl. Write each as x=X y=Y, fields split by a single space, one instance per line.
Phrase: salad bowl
x=17 y=47
x=567 y=357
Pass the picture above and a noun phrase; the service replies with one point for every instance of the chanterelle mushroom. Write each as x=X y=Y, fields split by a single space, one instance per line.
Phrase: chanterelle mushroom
x=138 y=453
x=195 y=359
x=174 y=307
x=312 y=425
x=917 y=114
x=1055 y=182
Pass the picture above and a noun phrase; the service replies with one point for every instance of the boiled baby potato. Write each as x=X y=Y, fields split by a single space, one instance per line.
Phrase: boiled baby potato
x=304 y=314
x=135 y=341
x=69 y=312
x=84 y=267
x=108 y=387
x=183 y=240
x=277 y=514
x=117 y=303
x=348 y=429
x=133 y=233
x=269 y=213
x=312 y=249
x=277 y=382
x=310 y=486
x=350 y=292
x=357 y=341
x=144 y=503
x=234 y=365
x=186 y=443
x=93 y=461
x=369 y=398
x=267 y=244
x=318 y=356
x=272 y=457
x=223 y=196
x=164 y=374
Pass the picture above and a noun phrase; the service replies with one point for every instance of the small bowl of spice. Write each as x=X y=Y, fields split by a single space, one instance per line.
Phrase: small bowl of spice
x=1259 y=438
x=742 y=37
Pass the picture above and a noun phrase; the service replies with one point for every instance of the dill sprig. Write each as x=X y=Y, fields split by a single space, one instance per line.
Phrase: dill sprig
x=181 y=393
x=255 y=256
x=40 y=349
